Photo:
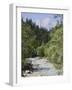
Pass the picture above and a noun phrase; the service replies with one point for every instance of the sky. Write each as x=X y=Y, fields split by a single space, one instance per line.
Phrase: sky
x=45 y=20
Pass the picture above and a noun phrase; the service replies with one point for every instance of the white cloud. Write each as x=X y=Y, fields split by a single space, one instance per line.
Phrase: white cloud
x=48 y=22
x=38 y=22
x=45 y=22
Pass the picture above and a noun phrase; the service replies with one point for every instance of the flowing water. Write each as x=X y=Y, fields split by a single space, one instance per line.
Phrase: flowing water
x=42 y=67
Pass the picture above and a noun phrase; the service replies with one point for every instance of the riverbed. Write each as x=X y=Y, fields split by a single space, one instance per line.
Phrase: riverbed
x=42 y=68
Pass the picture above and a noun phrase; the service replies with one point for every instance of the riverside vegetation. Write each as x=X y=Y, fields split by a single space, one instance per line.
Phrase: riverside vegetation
x=40 y=42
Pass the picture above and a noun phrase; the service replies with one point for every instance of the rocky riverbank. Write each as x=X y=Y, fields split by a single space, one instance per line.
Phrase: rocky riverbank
x=41 y=67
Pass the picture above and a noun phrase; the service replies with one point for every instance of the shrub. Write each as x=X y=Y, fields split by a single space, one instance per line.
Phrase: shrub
x=54 y=48
x=40 y=51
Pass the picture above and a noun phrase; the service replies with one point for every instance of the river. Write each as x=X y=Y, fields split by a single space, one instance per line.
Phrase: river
x=42 y=68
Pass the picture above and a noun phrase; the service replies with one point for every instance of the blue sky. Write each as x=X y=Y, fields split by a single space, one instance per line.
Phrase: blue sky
x=45 y=20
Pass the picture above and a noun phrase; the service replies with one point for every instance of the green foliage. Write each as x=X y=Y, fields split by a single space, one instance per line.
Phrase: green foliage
x=40 y=51
x=54 y=48
x=41 y=42
x=32 y=37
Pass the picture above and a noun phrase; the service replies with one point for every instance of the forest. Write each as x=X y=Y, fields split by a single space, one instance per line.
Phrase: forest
x=39 y=42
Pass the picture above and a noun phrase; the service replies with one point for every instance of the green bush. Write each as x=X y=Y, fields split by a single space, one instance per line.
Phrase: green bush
x=54 y=48
x=40 y=51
